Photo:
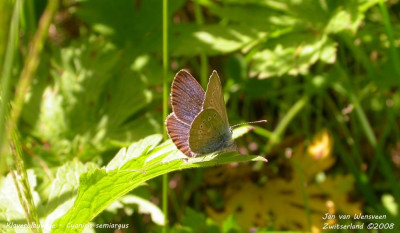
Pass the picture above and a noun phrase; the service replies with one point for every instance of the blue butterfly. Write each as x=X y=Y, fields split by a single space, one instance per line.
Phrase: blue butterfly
x=199 y=123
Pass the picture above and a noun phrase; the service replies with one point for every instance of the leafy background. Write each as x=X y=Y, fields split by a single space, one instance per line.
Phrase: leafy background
x=324 y=73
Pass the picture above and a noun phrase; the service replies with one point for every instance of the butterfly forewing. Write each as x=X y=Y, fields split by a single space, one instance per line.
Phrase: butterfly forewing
x=208 y=133
x=179 y=133
x=187 y=97
x=215 y=97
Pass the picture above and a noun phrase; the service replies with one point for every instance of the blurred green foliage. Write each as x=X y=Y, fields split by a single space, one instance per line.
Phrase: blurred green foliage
x=305 y=65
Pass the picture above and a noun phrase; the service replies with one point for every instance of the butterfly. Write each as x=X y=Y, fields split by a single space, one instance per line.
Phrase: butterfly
x=199 y=123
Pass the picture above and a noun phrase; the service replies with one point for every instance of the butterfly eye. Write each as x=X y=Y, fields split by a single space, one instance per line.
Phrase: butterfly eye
x=201 y=126
x=209 y=118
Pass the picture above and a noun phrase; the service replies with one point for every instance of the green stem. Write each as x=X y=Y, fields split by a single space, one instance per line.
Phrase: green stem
x=203 y=58
x=26 y=76
x=363 y=119
x=165 y=108
x=29 y=69
x=361 y=179
x=203 y=70
x=388 y=27
x=6 y=78
x=304 y=193
x=30 y=11
x=386 y=132
x=5 y=19
x=165 y=65
x=282 y=125
x=24 y=191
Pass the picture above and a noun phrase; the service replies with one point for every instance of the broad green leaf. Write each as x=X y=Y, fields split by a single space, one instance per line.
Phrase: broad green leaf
x=292 y=54
x=192 y=40
x=63 y=192
x=296 y=31
x=96 y=97
x=135 y=150
x=261 y=16
x=101 y=187
x=345 y=19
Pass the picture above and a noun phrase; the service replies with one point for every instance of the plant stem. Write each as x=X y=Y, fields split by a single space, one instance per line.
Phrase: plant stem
x=29 y=70
x=204 y=70
x=24 y=192
x=282 y=125
x=304 y=193
x=388 y=27
x=26 y=76
x=165 y=109
x=30 y=12
x=361 y=178
x=203 y=57
x=6 y=77
x=5 y=21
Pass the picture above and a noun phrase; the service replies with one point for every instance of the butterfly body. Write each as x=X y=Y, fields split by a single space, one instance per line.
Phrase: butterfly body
x=199 y=123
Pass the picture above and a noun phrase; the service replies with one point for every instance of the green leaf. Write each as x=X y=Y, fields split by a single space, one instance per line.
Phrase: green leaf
x=135 y=150
x=96 y=97
x=289 y=51
x=230 y=225
x=63 y=191
x=345 y=19
x=101 y=187
x=145 y=207
x=292 y=54
x=261 y=15
x=390 y=204
x=197 y=222
x=128 y=23
x=192 y=40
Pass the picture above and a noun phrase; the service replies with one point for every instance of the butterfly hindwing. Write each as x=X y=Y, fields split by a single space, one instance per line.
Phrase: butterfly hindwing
x=208 y=133
x=187 y=97
x=179 y=133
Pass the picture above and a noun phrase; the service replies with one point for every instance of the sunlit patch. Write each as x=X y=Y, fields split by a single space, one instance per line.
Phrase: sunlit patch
x=321 y=146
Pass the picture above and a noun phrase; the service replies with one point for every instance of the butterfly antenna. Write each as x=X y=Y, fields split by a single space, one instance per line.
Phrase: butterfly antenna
x=251 y=122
